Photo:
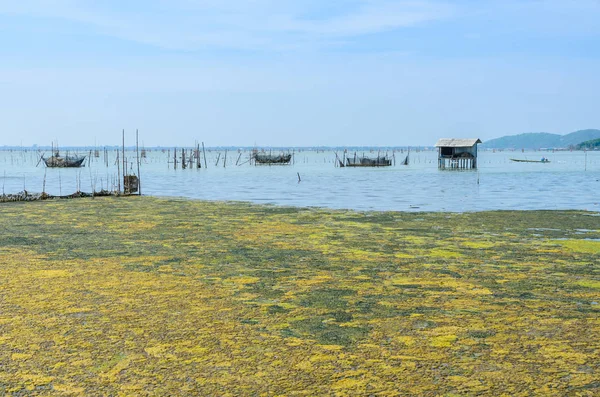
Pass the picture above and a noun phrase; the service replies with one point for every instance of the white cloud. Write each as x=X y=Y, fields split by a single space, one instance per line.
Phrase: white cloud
x=259 y=24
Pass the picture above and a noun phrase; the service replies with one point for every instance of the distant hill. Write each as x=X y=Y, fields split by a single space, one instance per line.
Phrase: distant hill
x=594 y=144
x=538 y=140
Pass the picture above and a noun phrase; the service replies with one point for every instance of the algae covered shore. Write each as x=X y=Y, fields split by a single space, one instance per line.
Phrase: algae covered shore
x=150 y=296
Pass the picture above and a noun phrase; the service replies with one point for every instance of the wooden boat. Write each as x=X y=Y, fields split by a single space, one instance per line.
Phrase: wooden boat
x=543 y=160
x=263 y=158
x=57 y=161
x=379 y=161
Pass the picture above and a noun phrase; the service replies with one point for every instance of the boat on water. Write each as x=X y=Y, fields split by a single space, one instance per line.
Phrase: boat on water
x=263 y=158
x=379 y=161
x=58 y=161
x=542 y=160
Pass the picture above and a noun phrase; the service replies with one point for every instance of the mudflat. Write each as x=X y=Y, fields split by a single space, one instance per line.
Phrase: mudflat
x=157 y=296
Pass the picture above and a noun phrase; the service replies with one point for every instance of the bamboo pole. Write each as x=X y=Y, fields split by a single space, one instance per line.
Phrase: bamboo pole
x=118 y=174
x=124 y=168
x=198 y=162
x=138 y=163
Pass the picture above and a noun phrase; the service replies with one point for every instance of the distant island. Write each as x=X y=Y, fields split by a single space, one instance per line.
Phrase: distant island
x=544 y=140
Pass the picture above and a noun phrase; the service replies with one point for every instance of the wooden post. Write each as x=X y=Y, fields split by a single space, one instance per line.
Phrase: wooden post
x=124 y=169
x=118 y=174
x=174 y=158
x=138 y=163
x=198 y=163
x=204 y=153
x=225 y=159
x=183 y=159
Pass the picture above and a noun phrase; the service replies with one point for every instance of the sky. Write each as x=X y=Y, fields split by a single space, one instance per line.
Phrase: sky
x=295 y=72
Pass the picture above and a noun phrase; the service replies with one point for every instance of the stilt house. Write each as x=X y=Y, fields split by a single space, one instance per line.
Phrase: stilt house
x=457 y=153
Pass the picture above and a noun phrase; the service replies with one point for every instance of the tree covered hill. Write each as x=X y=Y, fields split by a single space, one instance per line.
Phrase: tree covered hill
x=594 y=144
x=538 y=140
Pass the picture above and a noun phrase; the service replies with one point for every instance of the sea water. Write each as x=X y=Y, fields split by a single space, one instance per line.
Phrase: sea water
x=571 y=180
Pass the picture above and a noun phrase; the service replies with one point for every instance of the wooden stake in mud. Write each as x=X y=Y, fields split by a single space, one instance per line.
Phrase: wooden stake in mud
x=218 y=158
x=182 y=158
x=124 y=168
x=43 y=187
x=137 y=151
x=118 y=174
x=204 y=153
x=238 y=159
x=225 y=159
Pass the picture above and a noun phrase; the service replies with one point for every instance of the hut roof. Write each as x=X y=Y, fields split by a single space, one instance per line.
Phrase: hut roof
x=454 y=142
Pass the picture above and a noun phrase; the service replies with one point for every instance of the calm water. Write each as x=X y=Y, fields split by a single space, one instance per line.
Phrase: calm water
x=570 y=181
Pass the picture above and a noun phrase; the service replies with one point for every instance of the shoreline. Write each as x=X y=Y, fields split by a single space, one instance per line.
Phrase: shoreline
x=25 y=196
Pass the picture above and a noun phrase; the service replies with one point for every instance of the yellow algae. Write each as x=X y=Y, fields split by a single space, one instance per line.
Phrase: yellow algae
x=443 y=253
x=443 y=341
x=595 y=284
x=234 y=299
x=113 y=372
x=20 y=356
x=331 y=347
x=400 y=280
x=68 y=389
x=405 y=339
x=305 y=365
x=583 y=246
x=477 y=244
x=36 y=379
x=51 y=273
x=157 y=350
x=318 y=358
x=318 y=279
x=348 y=383
x=243 y=280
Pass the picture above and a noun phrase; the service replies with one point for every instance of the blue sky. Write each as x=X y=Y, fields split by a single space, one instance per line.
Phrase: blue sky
x=283 y=72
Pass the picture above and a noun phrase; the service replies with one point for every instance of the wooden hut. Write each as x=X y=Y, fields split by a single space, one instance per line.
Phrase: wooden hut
x=457 y=153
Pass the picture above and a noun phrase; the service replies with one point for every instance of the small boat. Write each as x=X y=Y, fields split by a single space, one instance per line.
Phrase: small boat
x=543 y=160
x=57 y=161
x=263 y=158
x=379 y=161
